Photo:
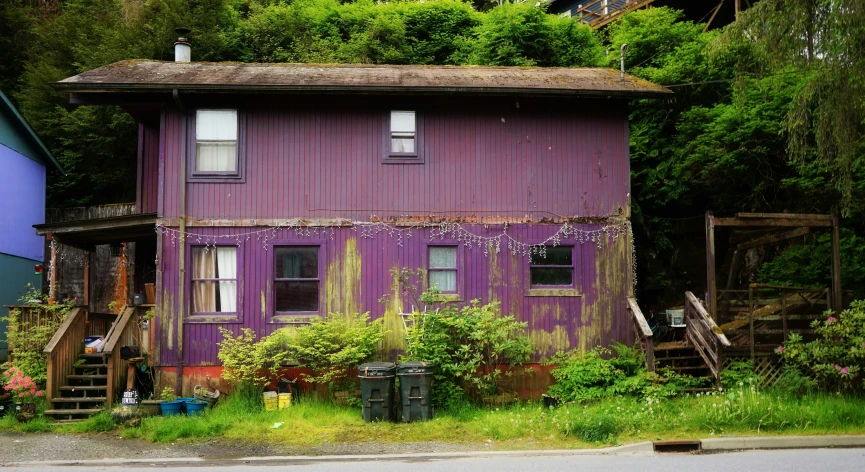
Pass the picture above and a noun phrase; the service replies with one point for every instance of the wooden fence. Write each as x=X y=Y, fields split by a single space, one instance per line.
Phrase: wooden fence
x=644 y=332
x=63 y=350
x=706 y=337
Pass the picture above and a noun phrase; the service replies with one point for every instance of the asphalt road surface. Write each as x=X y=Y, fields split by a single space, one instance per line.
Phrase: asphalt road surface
x=804 y=460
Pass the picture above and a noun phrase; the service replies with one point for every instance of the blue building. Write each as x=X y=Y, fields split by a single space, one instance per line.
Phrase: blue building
x=23 y=162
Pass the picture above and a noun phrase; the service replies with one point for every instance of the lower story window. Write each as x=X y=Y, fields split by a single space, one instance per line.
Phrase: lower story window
x=442 y=268
x=554 y=270
x=296 y=282
x=214 y=280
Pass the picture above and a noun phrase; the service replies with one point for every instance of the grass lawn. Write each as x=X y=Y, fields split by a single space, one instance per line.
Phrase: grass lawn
x=521 y=426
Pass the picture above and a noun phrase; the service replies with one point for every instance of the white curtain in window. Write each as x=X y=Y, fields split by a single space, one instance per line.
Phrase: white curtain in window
x=203 y=293
x=216 y=140
x=444 y=280
x=402 y=129
x=227 y=263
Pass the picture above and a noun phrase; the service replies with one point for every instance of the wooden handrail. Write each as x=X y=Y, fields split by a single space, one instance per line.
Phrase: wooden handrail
x=63 y=350
x=707 y=338
x=643 y=331
x=124 y=332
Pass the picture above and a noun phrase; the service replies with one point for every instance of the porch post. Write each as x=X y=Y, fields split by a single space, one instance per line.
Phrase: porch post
x=52 y=267
x=86 y=295
x=711 y=289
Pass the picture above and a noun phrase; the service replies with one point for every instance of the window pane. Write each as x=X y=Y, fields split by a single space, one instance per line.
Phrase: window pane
x=211 y=125
x=442 y=257
x=402 y=121
x=444 y=280
x=560 y=255
x=300 y=262
x=552 y=276
x=203 y=263
x=402 y=144
x=215 y=157
x=296 y=296
x=204 y=297
x=226 y=262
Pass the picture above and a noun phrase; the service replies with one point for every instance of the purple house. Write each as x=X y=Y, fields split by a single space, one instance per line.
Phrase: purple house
x=277 y=193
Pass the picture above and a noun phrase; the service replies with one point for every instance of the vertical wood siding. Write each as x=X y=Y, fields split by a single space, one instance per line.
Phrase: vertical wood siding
x=537 y=161
x=149 y=179
x=358 y=273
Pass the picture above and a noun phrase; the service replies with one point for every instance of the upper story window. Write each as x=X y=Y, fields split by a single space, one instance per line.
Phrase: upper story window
x=214 y=281
x=216 y=153
x=556 y=270
x=403 y=138
x=442 y=270
x=296 y=281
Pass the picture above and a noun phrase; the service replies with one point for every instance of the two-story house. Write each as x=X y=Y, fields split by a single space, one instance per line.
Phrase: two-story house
x=24 y=162
x=277 y=193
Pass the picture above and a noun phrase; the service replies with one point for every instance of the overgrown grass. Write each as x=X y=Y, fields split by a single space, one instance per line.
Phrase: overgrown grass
x=310 y=423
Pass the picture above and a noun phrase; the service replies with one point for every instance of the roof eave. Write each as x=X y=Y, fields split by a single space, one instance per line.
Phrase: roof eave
x=46 y=154
x=78 y=87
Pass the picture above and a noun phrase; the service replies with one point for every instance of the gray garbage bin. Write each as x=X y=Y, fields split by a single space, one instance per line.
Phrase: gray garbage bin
x=415 y=390
x=376 y=390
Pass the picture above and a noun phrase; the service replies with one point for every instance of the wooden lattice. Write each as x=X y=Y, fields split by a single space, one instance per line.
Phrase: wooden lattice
x=768 y=368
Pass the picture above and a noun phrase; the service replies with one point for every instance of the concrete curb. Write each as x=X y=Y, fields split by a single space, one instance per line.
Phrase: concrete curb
x=781 y=442
x=641 y=448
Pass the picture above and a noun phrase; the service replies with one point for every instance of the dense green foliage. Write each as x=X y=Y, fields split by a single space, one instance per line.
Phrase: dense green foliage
x=768 y=114
x=598 y=374
x=836 y=359
x=469 y=347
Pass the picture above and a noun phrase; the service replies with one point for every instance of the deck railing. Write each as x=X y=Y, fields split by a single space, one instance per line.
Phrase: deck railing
x=706 y=337
x=63 y=350
x=125 y=332
x=644 y=332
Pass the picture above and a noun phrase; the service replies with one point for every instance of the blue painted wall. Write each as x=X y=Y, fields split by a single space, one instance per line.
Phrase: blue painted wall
x=15 y=274
x=22 y=204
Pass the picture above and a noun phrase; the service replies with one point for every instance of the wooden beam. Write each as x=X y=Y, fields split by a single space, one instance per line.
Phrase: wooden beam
x=775 y=238
x=717 y=9
x=772 y=222
x=711 y=289
x=837 y=297
x=86 y=295
x=802 y=216
x=52 y=273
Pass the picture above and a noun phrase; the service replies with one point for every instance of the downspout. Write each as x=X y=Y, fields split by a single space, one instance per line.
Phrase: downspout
x=181 y=302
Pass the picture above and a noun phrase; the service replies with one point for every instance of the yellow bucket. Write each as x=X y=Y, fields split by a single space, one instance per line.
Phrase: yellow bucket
x=270 y=401
x=284 y=400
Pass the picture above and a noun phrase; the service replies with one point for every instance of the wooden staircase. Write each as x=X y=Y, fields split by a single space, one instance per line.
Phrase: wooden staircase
x=699 y=355
x=85 y=392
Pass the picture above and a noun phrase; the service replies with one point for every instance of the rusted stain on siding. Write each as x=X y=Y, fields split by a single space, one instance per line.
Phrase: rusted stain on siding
x=494 y=275
x=343 y=282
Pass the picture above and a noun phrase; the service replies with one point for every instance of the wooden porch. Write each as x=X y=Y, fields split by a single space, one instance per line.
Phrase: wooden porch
x=81 y=384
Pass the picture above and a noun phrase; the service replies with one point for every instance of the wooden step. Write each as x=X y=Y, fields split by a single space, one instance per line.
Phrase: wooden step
x=97 y=355
x=92 y=366
x=85 y=388
x=83 y=411
x=693 y=367
x=677 y=358
x=87 y=377
x=78 y=399
x=672 y=346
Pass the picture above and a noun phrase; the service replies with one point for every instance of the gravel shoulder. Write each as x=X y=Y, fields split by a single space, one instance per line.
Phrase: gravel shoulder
x=58 y=447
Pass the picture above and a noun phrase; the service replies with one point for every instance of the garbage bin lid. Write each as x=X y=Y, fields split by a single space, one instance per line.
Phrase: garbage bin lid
x=415 y=367
x=376 y=369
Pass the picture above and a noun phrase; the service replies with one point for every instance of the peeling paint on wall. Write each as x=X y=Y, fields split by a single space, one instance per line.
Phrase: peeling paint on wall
x=343 y=282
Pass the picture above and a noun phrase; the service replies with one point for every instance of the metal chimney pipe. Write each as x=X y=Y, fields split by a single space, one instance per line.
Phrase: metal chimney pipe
x=182 y=48
x=623 y=50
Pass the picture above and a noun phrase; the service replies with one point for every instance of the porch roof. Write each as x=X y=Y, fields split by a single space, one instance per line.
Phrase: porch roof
x=86 y=234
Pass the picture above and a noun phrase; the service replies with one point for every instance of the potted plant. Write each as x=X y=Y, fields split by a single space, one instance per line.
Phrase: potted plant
x=24 y=392
x=151 y=406
x=170 y=406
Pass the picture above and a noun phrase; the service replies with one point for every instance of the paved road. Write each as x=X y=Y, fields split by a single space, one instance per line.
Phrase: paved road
x=810 y=460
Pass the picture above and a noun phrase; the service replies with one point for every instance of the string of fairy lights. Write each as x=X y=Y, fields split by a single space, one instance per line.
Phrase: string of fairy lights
x=401 y=234
x=404 y=232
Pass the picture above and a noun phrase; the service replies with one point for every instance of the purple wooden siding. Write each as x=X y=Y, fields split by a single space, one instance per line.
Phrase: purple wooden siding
x=148 y=169
x=357 y=274
x=22 y=204
x=535 y=161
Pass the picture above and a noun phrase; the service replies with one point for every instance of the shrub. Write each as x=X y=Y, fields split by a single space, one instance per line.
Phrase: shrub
x=595 y=428
x=598 y=374
x=244 y=361
x=836 y=358
x=330 y=346
x=793 y=383
x=30 y=342
x=740 y=373
x=469 y=347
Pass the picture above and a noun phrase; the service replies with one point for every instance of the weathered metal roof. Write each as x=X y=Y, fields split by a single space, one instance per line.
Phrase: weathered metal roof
x=153 y=76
